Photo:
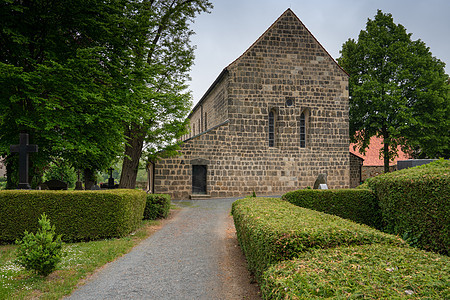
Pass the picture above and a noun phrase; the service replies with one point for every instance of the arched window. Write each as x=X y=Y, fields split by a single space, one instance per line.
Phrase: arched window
x=302 y=130
x=271 y=128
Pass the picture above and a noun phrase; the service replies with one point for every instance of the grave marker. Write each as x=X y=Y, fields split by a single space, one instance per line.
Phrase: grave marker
x=23 y=148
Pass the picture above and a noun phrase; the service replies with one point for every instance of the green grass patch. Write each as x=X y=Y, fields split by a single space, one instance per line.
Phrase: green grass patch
x=81 y=260
x=367 y=272
x=271 y=230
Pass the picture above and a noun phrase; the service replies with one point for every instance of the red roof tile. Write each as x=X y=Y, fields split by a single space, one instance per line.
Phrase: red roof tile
x=372 y=155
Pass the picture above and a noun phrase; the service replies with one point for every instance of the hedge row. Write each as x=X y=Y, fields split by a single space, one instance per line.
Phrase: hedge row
x=371 y=272
x=272 y=230
x=157 y=206
x=357 y=205
x=415 y=204
x=77 y=215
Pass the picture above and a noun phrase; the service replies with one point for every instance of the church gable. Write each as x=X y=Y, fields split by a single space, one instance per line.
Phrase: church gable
x=272 y=121
x=288 y=38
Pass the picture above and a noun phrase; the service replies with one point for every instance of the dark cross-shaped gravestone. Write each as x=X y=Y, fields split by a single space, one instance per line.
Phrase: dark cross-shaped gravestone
x=110 y=179
x=78 y=184
x=23 y=149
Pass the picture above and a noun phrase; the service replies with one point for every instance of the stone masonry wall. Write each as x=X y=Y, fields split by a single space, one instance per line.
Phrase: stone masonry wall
x=355 y=170
x=288 y=65
x=212 y=111
x=286 y=71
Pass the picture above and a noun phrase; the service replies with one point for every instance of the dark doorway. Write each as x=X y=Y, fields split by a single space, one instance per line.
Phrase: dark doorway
x=199 y=179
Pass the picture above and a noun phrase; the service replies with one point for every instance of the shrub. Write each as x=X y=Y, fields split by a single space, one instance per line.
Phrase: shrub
x=359 y=205
x=415 y=204
x=77 y=215
x=157 y=206
x=370 y=272
x=41 y=252
x=271 y=230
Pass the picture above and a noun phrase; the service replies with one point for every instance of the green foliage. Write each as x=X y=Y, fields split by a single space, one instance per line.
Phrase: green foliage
x=272 y=230
x=77 y=215
x=367 y=272
x=161 y=57
x=61 y=87
x=40 y=252
x=415 y=204
x=398 y=91
x=60 y=170
x=157 y=206
x=358 y=205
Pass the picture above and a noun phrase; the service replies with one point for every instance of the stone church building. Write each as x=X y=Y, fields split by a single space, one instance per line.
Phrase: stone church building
x=272 y=121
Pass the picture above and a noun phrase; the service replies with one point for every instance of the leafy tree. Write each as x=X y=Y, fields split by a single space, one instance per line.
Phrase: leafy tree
x=87 y=79
x=59 y=72
x=398 y=91
x=162 y=57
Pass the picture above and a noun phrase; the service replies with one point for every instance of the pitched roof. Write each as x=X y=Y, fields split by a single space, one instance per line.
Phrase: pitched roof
x=372 y=155
x=286 y=13
x=225 y=70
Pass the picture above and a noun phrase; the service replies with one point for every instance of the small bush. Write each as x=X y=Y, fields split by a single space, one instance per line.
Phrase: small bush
x=359 y=205
x=77 y=215
x=272 y=230
x=368 y=272
x=41 y=252
x=415 y=204
x=157 y=206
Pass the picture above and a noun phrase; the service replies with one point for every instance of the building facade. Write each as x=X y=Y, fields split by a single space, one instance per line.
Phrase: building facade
x=272 y=121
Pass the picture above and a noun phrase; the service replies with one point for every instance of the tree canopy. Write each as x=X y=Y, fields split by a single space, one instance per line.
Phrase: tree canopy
x=398 y=91
x=86 y=78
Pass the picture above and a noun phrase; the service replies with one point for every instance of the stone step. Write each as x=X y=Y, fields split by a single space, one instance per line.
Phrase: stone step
x=199 y=196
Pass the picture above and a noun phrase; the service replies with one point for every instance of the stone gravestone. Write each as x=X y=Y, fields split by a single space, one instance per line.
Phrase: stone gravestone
x=321 y=182
x=23 y=149
x=78 y=184
x=110 y=179
x=55 y=185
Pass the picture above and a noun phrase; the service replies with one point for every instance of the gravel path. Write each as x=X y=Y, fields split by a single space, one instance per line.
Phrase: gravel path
x=194 y=256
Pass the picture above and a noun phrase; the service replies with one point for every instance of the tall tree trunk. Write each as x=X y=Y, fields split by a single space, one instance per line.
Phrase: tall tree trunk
x=386 y=156
x=133 y=152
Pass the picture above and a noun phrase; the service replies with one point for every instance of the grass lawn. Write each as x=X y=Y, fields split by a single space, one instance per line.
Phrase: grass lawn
x=80 y=261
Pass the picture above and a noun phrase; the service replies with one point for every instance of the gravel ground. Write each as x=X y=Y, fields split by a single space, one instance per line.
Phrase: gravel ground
x=194 y=256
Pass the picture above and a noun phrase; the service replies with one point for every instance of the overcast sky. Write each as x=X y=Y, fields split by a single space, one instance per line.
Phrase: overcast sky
x=233 y=26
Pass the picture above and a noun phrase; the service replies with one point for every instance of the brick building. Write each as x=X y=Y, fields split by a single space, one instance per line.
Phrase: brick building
x=373 y=162
x=273 y=120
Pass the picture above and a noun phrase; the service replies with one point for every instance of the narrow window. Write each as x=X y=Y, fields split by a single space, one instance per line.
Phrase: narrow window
x=206 y=121
x=193 y=129
x=199 y=127
x=302 y=131
x=271 y=129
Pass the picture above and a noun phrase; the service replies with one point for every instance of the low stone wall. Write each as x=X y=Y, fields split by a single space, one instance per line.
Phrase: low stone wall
x=372 y=171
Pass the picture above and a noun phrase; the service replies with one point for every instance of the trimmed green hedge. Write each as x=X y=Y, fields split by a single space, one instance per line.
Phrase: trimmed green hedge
x=367 y=272
x=359 y=205
x=272 y=230
x=77 y=215
x=415 y=204
x=157 y=206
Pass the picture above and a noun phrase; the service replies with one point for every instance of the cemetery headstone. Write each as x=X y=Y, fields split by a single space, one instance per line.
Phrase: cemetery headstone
x=95 y=187
x=110 y=179
x=56 y=185
x=78 y=184
x=23 y=148
x=321 y=179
